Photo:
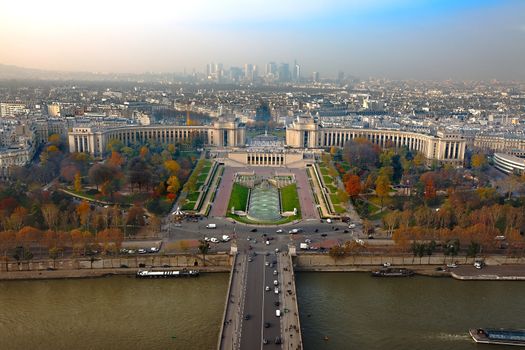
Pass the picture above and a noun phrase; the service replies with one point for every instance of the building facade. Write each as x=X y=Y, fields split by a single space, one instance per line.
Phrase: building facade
x=305 y=132
x=509 y=164
x=222 y=133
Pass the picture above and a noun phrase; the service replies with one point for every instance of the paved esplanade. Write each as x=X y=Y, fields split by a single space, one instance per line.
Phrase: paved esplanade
x=250 y=319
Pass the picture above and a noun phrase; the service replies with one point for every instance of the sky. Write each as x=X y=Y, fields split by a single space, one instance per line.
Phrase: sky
x=396 y=39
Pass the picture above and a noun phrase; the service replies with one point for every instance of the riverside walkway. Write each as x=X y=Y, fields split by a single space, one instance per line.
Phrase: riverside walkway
x=261 y=283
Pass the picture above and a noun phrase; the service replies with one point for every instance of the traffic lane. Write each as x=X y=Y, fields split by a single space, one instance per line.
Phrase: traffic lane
x=251 y=329
x=274 y=330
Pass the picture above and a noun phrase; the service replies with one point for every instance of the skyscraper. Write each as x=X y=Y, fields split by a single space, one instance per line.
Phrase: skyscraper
x=296 y=71
x=284 y=72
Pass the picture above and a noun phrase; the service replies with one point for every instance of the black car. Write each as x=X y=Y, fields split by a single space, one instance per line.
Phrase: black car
x=265 y=341
x=266 y=325
x=253 y=230
x=323 y=234
x=276 y=303
x=278 y=340
x=247 y=317
x=316 y=230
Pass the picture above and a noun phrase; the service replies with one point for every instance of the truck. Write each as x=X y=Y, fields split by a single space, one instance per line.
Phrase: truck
x=211 y=226
x=304 y=246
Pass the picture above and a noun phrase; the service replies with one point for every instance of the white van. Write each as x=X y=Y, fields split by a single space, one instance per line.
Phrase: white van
x=278 y=313
x=211 y=226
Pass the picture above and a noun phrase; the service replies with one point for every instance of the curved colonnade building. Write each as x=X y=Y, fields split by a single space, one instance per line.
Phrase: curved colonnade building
x=303 y=134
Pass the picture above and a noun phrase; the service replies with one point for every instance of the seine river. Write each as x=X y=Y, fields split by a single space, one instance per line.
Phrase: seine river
x=353 y=310
x=112 y=313
x=356 y=311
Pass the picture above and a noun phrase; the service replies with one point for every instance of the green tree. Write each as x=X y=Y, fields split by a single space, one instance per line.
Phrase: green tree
x=382 y=188
x=204 y=247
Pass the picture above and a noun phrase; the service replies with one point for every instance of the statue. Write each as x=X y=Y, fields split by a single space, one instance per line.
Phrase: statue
x=233 y=210
x=294 y=211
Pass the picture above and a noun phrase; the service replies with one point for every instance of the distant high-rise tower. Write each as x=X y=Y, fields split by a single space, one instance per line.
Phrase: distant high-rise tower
x=284 y=72
x=296 y=71
x=315 y=77
x=248 y=72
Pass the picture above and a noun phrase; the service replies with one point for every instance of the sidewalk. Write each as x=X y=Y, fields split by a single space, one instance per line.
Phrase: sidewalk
x=291 y=326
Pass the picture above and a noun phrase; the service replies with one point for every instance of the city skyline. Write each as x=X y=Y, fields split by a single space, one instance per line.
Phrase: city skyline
x=474 y=40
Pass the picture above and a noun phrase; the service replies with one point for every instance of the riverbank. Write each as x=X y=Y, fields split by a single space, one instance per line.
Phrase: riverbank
x=497 y=268
x=101 y=267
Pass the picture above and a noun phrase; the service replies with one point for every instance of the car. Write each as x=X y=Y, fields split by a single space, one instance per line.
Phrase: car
x=49 y=268
x=276 y=303
x=254 y=241
x=386 y=264
x=276 y=250
x=275 y=272
x=336 y=229
x=275 y=282
x=277 y=340
x=308 y=241
x=267 y=288
x=214 y=240
x=250 y=259
x=279 y=231
x=323 y=235
x=345 y=231
x=267 y=263
x=370 y=237
x=267 y=242
x=206 y=239
x=329 y=221
x=265 y=341
x=123 y=266
x=276 y=290
x=274 y=262
x=267 y=254
x=266 y=324
x=479 y=264
x=316 y=230
x=247 y=317
x=270 y=265
x=351 y=226
x=166 y=265
x=452 y=266
x=253 y=230
x=248 y=238
x=142 y=265
x=153 y=249
x=264 y=234
x=123 y=250
x=141 y=251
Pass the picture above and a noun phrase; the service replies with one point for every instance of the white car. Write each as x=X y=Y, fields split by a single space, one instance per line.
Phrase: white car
x=267 y=263
x=267 y=242
x=387 y=264
x=351 y=226
x=279 y=231
x=276 y=250
x=275 y=272
x=276 y=290
x=214 y=240
x=329 y=221
x=141 y=251
x=308 y=241
x=267 y=288
x=275 y=282
x=206 y=239
x=452 y=266
x=153 y=249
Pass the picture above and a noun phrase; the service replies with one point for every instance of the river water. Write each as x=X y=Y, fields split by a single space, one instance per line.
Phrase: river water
x=356 y=311
x=112 y=313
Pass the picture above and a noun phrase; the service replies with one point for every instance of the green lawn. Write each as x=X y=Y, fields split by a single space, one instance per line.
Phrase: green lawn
x=327 y=180
x=192 y=197
x=289 y=198
x=238 y=197
x=188 y=206
x=324 y=170
x=335 y=199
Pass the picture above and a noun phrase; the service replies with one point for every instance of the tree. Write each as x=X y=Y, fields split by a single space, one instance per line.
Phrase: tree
x=22 y=254
x=172 y=166
x=478 y=161
x=77 y=184
x=101 y=173
x=144 y=151
x=51 y=215
x=391 y=220
x=116 y=159
x=83 y=210
x=139 y=172
x=353 y=185
x=54 y=252
x=382 y=188
x=430 y=189
x=204 y=247
x=173 y=184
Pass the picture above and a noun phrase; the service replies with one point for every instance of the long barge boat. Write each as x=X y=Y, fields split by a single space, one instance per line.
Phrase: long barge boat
x=167 y=274
x=392 y=272
x=498 y=336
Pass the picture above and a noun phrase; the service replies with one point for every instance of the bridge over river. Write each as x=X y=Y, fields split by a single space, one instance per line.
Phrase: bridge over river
x=261 y=283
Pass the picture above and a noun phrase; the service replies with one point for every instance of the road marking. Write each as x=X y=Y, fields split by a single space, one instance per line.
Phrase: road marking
x=264 y=294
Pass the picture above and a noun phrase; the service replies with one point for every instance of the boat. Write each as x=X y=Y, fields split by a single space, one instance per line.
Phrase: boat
x=499 y=336
x=167 y=274
x=392 y=272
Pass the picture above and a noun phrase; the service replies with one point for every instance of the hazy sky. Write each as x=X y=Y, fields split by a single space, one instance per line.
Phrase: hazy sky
x=428 y=39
